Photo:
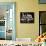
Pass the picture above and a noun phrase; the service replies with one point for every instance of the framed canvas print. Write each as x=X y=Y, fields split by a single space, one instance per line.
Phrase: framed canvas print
x=42 y=1
x=7 y=21
x=26 y=17
x=42 y=22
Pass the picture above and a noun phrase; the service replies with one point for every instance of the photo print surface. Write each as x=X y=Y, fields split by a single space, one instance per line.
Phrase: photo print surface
x=26 y=17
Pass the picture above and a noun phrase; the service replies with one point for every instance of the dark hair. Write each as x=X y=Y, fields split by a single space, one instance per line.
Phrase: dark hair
x=44 y=40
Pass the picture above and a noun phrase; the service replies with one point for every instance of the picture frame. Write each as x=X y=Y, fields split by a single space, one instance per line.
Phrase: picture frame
x=42 y=1
x=26 y=17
